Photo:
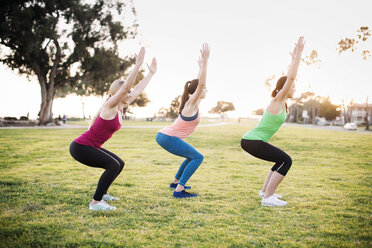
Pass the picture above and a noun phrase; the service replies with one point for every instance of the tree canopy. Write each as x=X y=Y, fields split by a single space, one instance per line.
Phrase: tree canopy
x=316 y=106
x=172 y=112
x=354 y=43
x=65 y=43
x=328 y=110
x=222 y=107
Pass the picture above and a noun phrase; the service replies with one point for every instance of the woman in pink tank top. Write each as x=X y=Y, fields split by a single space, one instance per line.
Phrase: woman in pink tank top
x=171 y=138
x=87 y=148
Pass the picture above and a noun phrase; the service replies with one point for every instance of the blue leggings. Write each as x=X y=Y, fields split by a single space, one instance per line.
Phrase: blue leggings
x=179 y=147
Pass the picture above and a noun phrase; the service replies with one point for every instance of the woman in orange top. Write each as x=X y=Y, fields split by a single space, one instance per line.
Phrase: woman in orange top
x=171 y=138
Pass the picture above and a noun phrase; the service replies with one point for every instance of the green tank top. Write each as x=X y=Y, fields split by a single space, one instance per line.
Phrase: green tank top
x=267 y=127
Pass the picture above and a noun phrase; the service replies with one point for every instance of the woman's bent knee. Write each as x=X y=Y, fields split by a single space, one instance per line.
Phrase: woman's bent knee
x=200 y=157
x=115 y=167
x=284 y=168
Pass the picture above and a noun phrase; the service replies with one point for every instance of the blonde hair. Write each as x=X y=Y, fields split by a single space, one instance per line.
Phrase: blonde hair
x=115 y=86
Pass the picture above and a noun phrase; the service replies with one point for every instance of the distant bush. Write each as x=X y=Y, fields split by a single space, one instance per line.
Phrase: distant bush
x=7 y=118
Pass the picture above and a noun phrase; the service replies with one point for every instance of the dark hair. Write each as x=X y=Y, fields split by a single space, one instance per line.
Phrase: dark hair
x=189 y=89
x=279 y=85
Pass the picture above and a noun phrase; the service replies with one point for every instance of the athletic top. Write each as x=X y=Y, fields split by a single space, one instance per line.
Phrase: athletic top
x=99 y=132
x=267 y=127
x=182 y=126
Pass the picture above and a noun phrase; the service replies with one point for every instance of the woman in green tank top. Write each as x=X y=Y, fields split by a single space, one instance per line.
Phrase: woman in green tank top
x=255 y=141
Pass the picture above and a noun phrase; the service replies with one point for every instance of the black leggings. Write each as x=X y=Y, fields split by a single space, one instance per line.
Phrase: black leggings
x=102 y=158
x=265 y=151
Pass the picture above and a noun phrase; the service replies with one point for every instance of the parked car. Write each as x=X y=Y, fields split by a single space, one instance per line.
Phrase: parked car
x=350 y=126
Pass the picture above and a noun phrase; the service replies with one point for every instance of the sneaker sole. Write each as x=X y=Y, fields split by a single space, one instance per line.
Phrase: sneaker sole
x=271 y=205
x=276 y=197
x=186 y=196
x=101 y=209
x=110 y=209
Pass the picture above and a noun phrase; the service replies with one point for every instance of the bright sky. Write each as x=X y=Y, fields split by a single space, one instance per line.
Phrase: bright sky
x=250 y=41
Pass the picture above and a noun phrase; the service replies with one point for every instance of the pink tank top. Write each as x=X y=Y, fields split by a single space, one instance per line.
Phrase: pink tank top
x=99 y=132
x=182 y=127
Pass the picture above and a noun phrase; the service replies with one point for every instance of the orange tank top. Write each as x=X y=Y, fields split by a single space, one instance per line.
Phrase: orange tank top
x=182 y=126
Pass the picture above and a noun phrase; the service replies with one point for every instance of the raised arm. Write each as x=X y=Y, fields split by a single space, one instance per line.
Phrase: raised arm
x=200 y=63
x=142 y=85
x=127 y=85
x=203 y=75
x=292 y=71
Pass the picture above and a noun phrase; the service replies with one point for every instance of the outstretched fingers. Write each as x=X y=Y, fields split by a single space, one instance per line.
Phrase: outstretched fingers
x=299 y=46
x=141 y=56
x=300 y=43
x=205 y=51
x=152 y=68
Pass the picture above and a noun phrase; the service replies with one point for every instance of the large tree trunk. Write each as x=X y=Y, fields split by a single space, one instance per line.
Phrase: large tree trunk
x=48 y=89
x=45 y=114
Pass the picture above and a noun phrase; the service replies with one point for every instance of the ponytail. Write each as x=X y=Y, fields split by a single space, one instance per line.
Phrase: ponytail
x=273 y=94
x=279 y=85
x=189 y=89
x=185 y=96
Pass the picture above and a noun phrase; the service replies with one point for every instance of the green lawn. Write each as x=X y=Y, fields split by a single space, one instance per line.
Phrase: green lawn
x=44 y=193
x=144 y=123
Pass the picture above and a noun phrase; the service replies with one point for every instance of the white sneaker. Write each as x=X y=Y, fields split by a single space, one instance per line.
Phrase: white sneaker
x=261 y=195
x=272 y=201
x=101 y=205
x=108 y=197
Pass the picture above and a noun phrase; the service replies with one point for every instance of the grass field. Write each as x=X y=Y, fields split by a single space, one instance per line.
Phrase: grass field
x=140 y=123
x=44 y=193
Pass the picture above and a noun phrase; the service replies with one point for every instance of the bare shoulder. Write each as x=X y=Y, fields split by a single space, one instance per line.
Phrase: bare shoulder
x=108 y=113
x=275 y=106
x=189 y=110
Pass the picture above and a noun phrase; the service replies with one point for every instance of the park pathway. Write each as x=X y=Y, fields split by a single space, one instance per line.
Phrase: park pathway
x=68 y=126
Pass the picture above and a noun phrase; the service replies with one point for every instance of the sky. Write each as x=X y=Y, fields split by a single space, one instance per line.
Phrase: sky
x=250 y=41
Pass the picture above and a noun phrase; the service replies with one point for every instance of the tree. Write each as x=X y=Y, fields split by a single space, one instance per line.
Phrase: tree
x=310 y=103
x=268 y=82
x=328 y=110
x=352 y=44
x=100 y=71
x=96 y=83
x=162 y=112
x=315 y=106
x=312 y=59
x=62 y=43
x=260 y=111
x=222 y=107
x=172 y=112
